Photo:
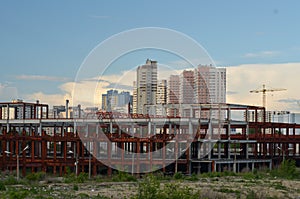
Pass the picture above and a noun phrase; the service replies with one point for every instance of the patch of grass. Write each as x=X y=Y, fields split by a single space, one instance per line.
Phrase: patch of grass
x=10 y=180
x=72 y=178
x=101 y=197
x=17 y=194
x=150 y=187
x=226 y=190
x=279 y=186
x=218 y=174
x=81 y=178
x=194 y=177
x=287 y=170
x=178 y=176
x=123 y=177
x=36 y=176
x=252 y=195
x=83 y=195
x=75 y=187
x=2 y=186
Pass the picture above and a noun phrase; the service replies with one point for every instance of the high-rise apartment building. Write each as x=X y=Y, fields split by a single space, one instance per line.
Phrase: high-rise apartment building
x=146 y=86
x=186 y=87
x=210 y=84
x=173 y=93
x=201 y=90
x=161 y=97
x=115 y=101
x=134 y=101
x=109 y=100
x=206 y=84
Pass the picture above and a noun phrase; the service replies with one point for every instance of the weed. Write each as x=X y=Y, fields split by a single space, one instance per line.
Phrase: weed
x=10 y=180
x=193 y=177
x=123 y=177
x=178 y=176
x=36 y=176
x=75 y=187
x=226 y=190
x=286 y=170
x=279 y=186
x=2 y=186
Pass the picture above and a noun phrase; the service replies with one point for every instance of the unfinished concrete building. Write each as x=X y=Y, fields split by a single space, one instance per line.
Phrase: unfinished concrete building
x=236 y=137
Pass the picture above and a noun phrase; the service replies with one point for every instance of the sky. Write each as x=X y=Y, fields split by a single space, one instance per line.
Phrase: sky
x=45 y=44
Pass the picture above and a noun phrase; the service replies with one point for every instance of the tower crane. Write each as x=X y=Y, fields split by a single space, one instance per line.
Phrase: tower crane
x=264 y=91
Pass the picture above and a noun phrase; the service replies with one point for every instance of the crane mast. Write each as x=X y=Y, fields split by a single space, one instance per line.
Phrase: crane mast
x=264 y=93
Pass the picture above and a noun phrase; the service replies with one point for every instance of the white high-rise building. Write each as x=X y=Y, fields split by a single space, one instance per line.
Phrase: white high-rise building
x=134 y=100
x=146 y=86
x=161 y=97
x=173 y=90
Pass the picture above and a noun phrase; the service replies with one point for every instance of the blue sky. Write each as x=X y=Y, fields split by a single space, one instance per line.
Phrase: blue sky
x=43 y=43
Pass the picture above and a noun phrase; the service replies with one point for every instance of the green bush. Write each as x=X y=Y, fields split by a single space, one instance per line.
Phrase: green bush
x=122 y=176
x=75 y=187
x=150 y=188
x=175 y=191
x=252 y=176
x=10 y=180
x=69 y=178
x=178 y=176
x=81 y=178
x=2 y=186
x=193 y=177
x=36 y=176
x=72 y=178
x=286 y=170
x=18 y=194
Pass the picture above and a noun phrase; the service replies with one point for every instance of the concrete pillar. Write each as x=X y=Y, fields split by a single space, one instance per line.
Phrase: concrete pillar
x=190 y=127
x=229 y=130
x=219 y=150
x=149 y=127
x=110 y=127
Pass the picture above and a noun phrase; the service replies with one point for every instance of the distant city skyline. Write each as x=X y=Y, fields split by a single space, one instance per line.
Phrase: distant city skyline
x=43 y=45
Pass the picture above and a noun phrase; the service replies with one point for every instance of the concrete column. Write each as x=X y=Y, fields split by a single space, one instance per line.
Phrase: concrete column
x=149 y=127
x=229 y=130
x=7 y=119
x=110 y=127
x=219 y=150
x=190 y=127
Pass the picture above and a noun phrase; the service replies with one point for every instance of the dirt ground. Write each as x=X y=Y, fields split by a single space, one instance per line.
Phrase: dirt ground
x=217 y=187
x=222 y=187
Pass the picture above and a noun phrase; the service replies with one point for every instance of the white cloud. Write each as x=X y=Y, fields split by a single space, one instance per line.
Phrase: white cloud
x=7 y=92
x=51 y=99
x=243 y=78
x=42 y=78
x=262 y=54
x=182 y=64
x=86 y=92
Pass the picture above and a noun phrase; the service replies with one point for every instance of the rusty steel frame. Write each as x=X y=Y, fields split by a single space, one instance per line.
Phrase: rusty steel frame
x=55 y=144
